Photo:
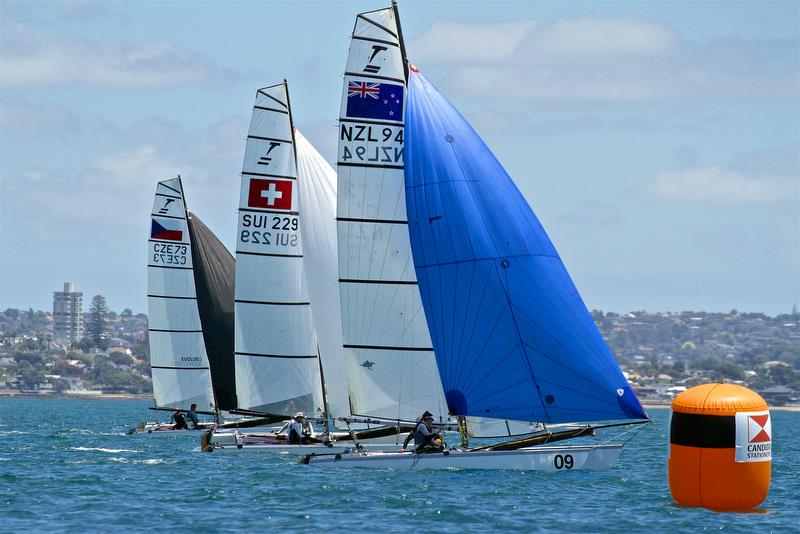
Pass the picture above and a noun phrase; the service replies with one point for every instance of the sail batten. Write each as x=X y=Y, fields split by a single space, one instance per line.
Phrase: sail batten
x=276 y=350
x=512 y=335
x=179 y=360
x=394 y=375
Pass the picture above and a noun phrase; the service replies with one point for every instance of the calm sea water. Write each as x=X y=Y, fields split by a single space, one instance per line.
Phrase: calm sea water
x=66 y=465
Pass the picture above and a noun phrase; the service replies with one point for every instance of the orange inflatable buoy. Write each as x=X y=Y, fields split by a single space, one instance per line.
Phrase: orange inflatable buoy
x=720 y=447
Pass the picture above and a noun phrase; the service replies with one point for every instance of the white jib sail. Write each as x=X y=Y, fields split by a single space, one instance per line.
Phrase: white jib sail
x=178 y=359
x=277 y=365
x=317 y=185
x=395 y=374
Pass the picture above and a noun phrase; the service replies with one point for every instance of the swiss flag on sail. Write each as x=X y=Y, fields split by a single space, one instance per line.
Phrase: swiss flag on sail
x=270 y=194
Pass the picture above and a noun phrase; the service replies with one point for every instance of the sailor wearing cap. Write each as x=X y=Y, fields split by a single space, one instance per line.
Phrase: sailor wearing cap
x=425 y=439
x=295 y=430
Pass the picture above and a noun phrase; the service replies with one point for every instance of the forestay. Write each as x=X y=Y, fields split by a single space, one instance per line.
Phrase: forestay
x=277 y=365
x=384 y=327
x=179 y=363
x=513 y=337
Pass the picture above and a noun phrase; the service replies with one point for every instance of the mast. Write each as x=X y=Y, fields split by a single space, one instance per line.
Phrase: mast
x=325 y=408
x=400 y=39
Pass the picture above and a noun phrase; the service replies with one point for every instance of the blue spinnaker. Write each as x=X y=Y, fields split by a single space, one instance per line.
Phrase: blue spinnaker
x=512 y=336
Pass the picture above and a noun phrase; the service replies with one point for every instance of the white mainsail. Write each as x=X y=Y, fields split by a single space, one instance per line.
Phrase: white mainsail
x=277 y=363
x=317 y=189
x=395 y=374
x=179 y=363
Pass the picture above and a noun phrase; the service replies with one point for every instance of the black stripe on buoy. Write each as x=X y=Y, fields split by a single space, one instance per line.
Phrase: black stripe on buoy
x=704 y=431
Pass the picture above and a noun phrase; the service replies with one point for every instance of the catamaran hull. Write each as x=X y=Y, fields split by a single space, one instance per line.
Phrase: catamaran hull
x=546 y=459
x=165 y=429
x=295 y=450
x=264 y=442
x=230 y=438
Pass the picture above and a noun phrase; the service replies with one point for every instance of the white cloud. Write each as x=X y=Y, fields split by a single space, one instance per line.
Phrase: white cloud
x=22 y=117
x=714 y=185
x=603 y=59
x=32 y=57
x=458 y=42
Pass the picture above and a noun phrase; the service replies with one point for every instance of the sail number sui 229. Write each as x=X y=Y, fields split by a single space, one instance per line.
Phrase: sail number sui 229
x=269 y=230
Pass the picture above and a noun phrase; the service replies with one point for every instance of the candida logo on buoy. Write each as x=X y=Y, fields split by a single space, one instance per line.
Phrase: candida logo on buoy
x=753 y=437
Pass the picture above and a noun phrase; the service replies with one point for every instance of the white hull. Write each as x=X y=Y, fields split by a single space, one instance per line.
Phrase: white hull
x=226 y=437
x=226 y=441
x=547 y=459
x=166 y=429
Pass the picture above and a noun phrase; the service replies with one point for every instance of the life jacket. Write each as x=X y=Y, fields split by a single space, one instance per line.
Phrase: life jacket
x=180 y=421
x=420 y=439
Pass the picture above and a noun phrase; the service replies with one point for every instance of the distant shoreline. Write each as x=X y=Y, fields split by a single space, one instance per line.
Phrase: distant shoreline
x=128 y=396
x=114 y=396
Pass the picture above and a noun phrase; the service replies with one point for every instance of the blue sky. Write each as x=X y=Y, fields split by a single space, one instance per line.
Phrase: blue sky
x=658 y=142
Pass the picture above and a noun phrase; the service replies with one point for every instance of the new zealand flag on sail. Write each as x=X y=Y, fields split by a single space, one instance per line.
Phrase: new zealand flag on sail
x=368 y=100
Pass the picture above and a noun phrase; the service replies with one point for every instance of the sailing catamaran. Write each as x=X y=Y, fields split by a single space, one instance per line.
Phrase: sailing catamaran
x=512 y=338
x=190 y=304
x=288 y=334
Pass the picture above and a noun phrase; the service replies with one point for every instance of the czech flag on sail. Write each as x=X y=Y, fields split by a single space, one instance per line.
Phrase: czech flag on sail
x=368 y=100
x=270 y=194
x=170 y=230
